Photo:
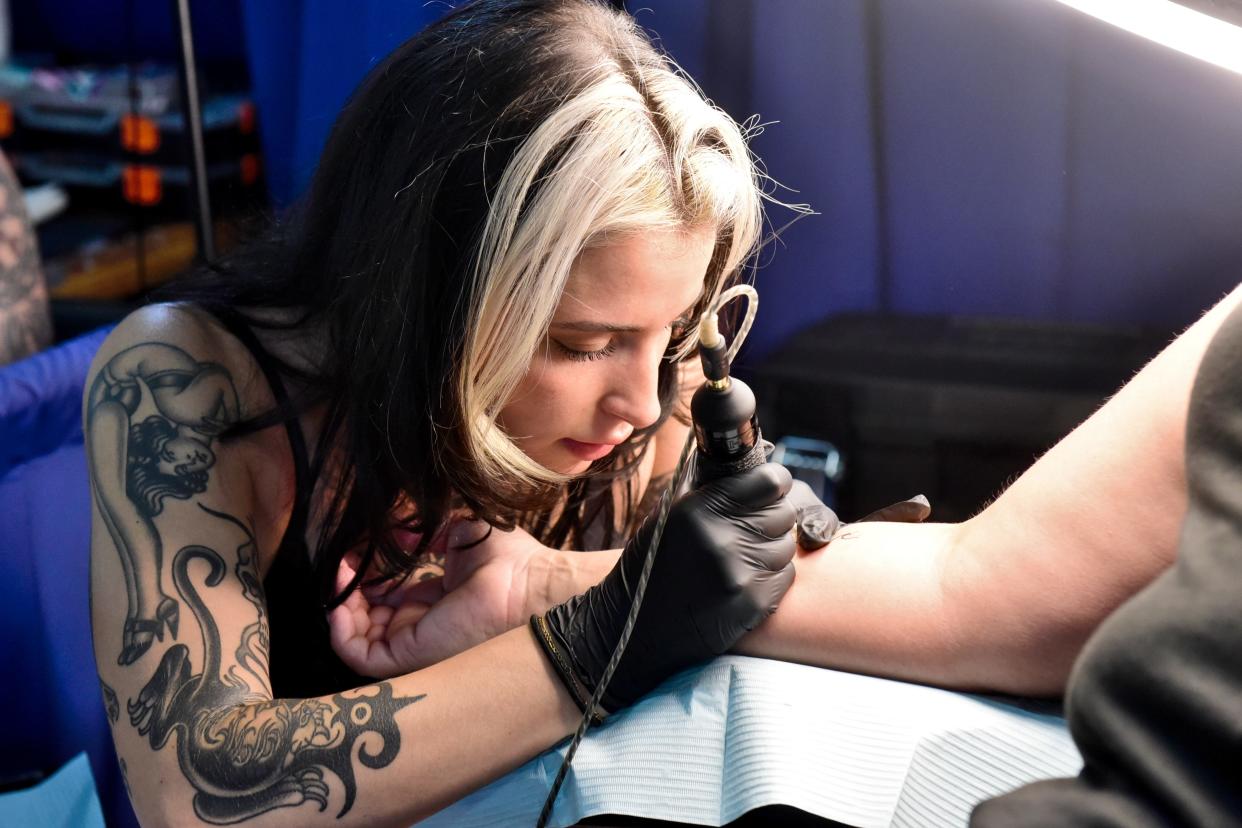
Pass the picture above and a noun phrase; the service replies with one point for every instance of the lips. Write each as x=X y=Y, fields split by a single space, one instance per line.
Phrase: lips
x=588 y=451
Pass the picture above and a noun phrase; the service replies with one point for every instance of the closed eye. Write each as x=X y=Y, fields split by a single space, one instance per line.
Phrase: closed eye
x=585 y=356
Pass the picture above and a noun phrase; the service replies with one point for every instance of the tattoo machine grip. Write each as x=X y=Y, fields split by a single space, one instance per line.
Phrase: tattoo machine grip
x=726 y=428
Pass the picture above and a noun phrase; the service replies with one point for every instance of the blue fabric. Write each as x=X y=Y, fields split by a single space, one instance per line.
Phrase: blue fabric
x=114 y=31
x=41 y=398
x=306 y=56
x=44 y=611
x=973 y=159
x=44 y=561
x=964 y=158
x=66 y=800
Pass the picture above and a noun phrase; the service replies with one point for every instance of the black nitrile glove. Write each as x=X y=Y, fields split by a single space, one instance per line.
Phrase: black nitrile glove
x=724 y=562
x=816 y=522
x=915 y=510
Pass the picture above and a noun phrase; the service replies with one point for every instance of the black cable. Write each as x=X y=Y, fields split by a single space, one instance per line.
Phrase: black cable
x=666 y=503
x=709 y=333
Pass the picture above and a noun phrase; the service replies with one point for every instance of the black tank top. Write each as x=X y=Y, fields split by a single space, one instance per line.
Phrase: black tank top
x=301 y=660
x=1155 y=699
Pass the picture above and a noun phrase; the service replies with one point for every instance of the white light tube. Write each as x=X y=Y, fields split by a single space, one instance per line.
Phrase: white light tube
x=1173 y=25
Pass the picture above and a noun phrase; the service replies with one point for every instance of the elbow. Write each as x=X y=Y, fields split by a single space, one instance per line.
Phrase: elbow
x=1008 y=628
x=160 y=804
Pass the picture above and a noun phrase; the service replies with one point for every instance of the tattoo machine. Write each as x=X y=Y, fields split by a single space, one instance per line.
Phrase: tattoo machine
x=726 y=428
x=726 y=434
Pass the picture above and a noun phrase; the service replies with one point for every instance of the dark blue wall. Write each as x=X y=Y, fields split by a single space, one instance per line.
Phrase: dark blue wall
x=964 y=156
x=974 y=157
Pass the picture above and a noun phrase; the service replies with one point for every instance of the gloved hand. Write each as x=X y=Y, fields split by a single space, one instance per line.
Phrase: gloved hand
x=817 y=523
x=724 y=562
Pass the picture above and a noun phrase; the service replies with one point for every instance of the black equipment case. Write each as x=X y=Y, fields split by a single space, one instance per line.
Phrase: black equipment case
x=952 y=408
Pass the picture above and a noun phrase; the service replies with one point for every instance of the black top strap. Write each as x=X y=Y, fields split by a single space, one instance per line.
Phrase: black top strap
x=303 y=479
x=301 y=661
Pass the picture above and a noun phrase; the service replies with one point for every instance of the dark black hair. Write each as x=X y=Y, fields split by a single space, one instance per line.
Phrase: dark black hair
x=145 y=484
x=376 y=260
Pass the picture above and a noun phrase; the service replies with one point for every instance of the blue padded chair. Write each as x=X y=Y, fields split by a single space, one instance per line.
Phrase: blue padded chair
x=49 y=680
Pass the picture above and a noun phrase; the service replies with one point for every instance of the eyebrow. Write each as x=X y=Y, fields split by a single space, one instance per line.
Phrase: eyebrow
x=607 y=327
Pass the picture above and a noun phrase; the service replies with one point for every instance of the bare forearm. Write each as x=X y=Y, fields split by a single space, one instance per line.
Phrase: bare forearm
x=1007 y=600
x=872 y=601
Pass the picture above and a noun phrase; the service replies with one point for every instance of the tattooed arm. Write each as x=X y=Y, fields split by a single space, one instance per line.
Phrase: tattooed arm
x=194 y=721
x=25 y=321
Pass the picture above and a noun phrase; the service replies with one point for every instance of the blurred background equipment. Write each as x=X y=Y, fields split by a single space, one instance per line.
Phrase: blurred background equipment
x=91 y=104
x=1018 y=204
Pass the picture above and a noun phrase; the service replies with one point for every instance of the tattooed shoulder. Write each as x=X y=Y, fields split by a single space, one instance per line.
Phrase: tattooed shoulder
x=153 y=414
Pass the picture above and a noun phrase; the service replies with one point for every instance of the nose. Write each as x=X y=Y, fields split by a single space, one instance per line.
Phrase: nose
x=633 y=392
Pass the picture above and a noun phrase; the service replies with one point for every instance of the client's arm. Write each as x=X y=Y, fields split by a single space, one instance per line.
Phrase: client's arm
x=1006 y=600
x=1001 y=602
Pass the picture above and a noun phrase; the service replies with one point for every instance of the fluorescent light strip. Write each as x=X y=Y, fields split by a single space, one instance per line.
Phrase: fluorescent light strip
x=1173 y=25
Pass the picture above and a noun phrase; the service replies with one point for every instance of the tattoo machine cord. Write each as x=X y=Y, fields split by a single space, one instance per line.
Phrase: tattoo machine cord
x=731 y=450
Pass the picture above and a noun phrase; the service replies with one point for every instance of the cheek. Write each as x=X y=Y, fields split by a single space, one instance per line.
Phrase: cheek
x=549 y=402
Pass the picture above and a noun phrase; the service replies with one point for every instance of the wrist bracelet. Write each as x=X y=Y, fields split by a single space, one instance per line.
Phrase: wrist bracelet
x=578 y=691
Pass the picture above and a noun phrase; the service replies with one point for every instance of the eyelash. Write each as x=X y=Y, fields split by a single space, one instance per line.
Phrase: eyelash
x=586 y=356
x=679 y=330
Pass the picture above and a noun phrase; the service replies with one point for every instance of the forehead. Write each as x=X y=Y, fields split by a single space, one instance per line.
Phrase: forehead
x=643 y=279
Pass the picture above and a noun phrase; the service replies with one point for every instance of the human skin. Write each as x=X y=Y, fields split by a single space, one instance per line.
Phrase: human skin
x=1002 y=602
x=198 y=732
x=1006 y=600
x=593 y=382
x=205 y=738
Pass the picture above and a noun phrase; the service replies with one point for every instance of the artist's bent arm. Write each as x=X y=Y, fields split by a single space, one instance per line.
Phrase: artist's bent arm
x=1006 y=600
x=200 y=738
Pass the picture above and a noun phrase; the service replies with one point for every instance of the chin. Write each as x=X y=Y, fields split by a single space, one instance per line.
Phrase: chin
x=561 y=462
x=572 y=466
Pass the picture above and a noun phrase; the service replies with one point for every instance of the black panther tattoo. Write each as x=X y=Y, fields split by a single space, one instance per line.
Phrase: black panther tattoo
x=253 y=651
x=246 y=755
x=152 y=414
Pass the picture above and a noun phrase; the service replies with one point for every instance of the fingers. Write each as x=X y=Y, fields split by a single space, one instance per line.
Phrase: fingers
x=768 y=555
x=915 y=510
x=346 y=571
x=426 y=591
x=749 y=490
x=816 y=522
x=773 y=586
x=347 y=625
x=771 y=522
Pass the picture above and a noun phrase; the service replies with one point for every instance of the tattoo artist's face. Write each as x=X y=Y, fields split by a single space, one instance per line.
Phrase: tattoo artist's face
x=594 y=381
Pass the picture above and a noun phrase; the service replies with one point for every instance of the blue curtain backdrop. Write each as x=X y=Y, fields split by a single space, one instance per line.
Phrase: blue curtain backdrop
x=964 y=156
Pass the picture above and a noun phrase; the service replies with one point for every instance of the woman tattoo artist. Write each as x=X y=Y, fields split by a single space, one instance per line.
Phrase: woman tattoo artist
x=477 y=318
